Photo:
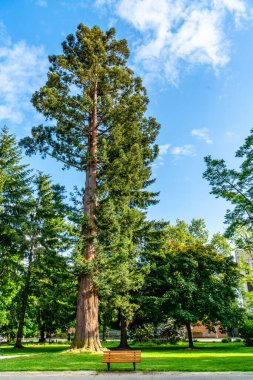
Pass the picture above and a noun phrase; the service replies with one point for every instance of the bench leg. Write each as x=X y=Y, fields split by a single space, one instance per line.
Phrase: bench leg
x=108 y=366
x=134 y=366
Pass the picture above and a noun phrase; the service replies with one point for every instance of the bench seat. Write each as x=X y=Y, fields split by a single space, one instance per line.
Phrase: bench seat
x=121 y=356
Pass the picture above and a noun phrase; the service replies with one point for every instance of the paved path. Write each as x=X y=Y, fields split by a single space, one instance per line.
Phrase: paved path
x=86 y=375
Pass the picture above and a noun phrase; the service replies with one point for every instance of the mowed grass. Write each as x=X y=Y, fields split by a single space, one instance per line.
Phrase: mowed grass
x=205 y=357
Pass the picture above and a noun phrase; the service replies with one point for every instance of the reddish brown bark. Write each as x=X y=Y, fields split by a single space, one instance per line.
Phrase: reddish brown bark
x=87 y=328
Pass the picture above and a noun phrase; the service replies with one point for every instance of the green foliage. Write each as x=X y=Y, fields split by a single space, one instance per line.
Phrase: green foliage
x=170 y=331
x=197 y=229
x=50 y=281
x=235 y=186
x=190 y=281
x=35 y=283
x=226 y=340
x=91 y=56
x=221 y=244
x=246 y=332
x=15 y=195
x=142 y=334
x=96 y=108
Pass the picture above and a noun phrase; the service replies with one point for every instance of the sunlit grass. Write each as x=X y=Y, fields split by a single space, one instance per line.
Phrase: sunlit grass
x=205 y=357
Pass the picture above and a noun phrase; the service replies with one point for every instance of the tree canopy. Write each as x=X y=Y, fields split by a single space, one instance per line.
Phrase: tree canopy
x=235 y=186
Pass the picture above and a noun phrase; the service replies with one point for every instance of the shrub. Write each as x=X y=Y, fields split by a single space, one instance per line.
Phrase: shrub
x=170 y=331
x=141 y=334
x=226 y=340
x=246 y=332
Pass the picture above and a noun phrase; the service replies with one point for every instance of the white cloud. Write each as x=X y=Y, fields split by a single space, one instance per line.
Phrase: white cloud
x=175 y=151
x=202 y=134
x=185 y=150
x=22 y=70
x=176 y=33
x=163 y=149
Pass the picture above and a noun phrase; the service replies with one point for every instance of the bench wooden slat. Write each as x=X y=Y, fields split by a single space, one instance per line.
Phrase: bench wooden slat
x=122 y=356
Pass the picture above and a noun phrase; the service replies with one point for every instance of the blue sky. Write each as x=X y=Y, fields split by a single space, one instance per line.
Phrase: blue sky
x=196 y=60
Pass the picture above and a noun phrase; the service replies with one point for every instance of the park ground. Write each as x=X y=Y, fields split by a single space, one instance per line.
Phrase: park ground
x=81 y=375
x=206 y=357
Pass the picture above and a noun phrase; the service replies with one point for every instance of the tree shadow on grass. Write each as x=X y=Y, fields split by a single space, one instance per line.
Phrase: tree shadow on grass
x=34 y=349
x=198 y=346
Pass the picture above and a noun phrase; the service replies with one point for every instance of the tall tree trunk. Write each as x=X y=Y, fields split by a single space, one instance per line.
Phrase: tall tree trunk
x=42 y=333
x=24 y=301
x=87 y=328
x=189 y=331
x=123 y=333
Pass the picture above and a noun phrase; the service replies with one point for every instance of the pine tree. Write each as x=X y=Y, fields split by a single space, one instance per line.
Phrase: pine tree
x=122 y=201
x=45 y=233
x=15 y=192
x=91 y=97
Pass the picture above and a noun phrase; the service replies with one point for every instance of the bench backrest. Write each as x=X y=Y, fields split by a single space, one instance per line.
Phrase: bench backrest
x=122 y=356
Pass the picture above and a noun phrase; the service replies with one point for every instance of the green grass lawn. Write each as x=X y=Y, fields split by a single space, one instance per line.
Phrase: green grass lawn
x=205 y=357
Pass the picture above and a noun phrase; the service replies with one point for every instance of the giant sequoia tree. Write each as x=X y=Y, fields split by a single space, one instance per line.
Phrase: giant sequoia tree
x=90 y=93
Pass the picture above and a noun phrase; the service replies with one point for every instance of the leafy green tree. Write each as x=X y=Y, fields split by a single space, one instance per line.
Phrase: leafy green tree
x=189 y=279
x=197 y=229
x=235 y=186
x=185 y=233
x=91 y=97
x=221 y=244
x=192 y=283
x=243 y=239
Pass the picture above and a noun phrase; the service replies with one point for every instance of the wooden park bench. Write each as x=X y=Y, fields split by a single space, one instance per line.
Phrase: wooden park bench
x=121 y=356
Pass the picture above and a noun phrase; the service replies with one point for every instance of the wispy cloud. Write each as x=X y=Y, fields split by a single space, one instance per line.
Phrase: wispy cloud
x=179 y=33
x=184 y=150
x=202 y=134
x=22 y=70
x=175 y=151
x=163 y=149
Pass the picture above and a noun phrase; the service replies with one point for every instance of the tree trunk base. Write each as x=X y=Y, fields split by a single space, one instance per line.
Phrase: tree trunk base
x=81 y=345
x=188 y=327
x=18 y=346
x=123 y=347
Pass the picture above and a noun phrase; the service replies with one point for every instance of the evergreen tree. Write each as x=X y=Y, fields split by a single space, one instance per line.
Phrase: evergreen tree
x=15 y=193
x=91 y=98
x=123 y=198
x=46 y=232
